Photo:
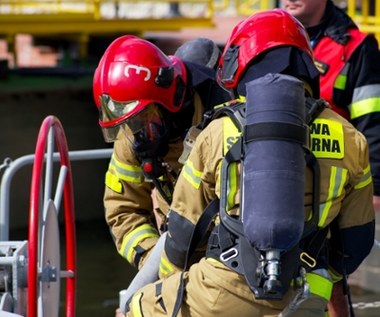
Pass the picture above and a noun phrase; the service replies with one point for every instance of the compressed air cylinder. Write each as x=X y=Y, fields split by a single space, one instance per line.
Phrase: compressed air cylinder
x=274 y=166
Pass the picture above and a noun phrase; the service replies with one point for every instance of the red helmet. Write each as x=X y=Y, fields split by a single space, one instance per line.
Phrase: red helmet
x=133 y=74
x=255 y=35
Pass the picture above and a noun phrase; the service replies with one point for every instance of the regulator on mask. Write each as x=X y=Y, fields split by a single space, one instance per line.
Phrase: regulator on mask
x=150 y=134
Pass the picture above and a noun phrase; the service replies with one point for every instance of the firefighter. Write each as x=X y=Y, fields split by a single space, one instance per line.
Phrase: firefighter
x=267 y=43
x=147 y=101
x=349 y=63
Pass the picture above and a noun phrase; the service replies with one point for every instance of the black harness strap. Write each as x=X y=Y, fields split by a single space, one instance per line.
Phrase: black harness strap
x=338 y=244
x=277 y=131
x=199 y=232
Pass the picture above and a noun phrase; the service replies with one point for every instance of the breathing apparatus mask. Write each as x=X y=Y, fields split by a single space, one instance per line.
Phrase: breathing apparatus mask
x=148 y=131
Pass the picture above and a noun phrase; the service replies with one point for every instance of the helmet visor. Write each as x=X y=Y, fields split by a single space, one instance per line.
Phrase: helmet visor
x=112 y=112
x=148 y=125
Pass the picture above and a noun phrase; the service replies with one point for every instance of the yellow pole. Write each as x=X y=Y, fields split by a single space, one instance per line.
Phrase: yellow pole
x=351 y=8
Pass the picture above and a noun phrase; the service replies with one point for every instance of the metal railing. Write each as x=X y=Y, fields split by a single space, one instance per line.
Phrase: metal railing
x=12 y=167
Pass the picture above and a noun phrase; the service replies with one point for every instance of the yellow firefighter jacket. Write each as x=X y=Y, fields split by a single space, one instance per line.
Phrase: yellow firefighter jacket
x=345 y=184
x=129 y=209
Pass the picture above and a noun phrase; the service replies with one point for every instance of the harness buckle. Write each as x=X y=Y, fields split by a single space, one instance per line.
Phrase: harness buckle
x=309 y=260
x=229 y=254
x=301 y=294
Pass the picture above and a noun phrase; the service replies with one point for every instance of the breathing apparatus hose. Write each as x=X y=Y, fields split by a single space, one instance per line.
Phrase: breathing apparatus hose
x=147 y=274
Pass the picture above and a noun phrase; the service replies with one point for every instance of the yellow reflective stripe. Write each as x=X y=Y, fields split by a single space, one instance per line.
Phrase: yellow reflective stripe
x=232 y=185
x=340 y=82
x=135 y=305
x=192 y=175
x=365 y=100
x=362 y=107
x=319 y=285
x=113 y=183
x=240 y=99
x=230 y=135
x=126 y=172
x=165 y=267
x=366 y=179
x=132 y=239
x=338 y=178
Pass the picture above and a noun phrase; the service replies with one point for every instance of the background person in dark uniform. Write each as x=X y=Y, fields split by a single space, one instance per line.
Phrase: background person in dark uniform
x=349 y=63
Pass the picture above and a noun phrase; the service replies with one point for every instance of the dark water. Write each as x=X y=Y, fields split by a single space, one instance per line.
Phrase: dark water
x=102 y=273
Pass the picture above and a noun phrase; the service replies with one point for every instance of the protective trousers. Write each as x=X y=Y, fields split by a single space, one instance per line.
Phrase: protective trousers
x=211 y=289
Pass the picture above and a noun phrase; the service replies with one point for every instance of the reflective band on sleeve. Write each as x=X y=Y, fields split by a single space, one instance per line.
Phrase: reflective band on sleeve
x=365 y=100
x=341 y=80
x=319 y=285
x=113 y=183
x=366 y=92
x=165 y=267
x=135 y=305
x=363 y=107
x=132 y=239
x=366 y=178
x=338 y=178
x=192 y=175
x=125 y=172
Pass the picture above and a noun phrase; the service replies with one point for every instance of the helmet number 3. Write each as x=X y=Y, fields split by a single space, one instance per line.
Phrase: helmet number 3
x=138 y=70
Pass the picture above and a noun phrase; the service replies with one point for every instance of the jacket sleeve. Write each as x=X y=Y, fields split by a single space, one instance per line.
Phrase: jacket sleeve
x=356 y=221
x=364 y=84
x=193 y=192
x=128 y=205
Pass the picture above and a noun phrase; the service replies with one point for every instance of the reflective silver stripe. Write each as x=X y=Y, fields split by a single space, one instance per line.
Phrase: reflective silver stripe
x=338 y=178
x=366 y=179
x=132 y=239
x=128 y=173
x=366 y=100
x=192 y=175
x=366 y=92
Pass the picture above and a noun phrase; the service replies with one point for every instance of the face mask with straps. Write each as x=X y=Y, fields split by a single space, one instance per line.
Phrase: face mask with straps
x=149 y=133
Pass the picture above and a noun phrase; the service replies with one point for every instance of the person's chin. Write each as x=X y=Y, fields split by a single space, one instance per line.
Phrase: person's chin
x=294 y=11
